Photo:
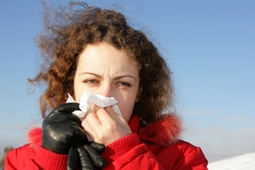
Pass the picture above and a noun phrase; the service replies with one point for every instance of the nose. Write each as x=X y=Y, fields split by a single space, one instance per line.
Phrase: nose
x=105 y=89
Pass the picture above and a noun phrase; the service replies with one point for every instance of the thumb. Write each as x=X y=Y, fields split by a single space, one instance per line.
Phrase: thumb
x=68 y=107
x=80 y=136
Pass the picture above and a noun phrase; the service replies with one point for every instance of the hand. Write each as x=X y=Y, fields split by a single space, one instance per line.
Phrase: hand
x=104 y=126
x=63 y=133
x=61 y=129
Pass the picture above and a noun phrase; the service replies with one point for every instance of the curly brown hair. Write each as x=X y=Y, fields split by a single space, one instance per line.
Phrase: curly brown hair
x=73 y=27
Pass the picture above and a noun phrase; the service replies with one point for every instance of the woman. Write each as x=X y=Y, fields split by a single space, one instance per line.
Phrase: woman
x=95 y=50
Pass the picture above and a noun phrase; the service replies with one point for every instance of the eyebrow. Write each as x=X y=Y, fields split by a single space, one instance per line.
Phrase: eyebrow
x=115 y=78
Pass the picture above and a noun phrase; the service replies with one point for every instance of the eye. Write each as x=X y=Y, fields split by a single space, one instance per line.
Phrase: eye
x=91 y=81
x=125 y=84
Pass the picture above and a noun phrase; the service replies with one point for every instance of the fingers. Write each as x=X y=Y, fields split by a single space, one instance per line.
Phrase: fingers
x=107 y=115
x=86 y=162
x=74 y=118
x=63 y=111
x=72 y=160
x=100 y=116
x=94 y=127
x=97 y=159
x=89 y=130
x=105 y=126
x=98 y=147
x=113 y=114
x=89 y=158
x=109 y=119
x=67 y=107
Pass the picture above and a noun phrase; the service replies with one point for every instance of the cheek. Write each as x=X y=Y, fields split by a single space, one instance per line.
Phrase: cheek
x=126 y=109
x=126 y=103
x=78 y=90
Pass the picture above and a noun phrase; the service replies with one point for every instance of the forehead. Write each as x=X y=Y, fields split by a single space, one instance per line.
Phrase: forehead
x=103 y=55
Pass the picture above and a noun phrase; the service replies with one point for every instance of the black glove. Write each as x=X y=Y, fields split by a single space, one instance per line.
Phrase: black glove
x=90 y=151
x=62 y=130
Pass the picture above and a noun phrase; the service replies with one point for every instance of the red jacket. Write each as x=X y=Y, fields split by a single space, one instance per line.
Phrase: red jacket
x=154 y=147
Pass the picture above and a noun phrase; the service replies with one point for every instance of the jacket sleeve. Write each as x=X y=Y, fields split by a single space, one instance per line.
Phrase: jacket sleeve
x=24 y=158
x=193 y=159
x=187 y=156
x=129 y=153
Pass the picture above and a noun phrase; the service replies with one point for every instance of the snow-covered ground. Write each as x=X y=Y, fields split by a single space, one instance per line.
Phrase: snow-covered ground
x=242 y=162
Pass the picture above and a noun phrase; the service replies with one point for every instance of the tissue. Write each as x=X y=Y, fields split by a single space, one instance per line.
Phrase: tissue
x=88 y=100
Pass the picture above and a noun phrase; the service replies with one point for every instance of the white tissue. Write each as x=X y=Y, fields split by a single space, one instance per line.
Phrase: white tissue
x=88 y=100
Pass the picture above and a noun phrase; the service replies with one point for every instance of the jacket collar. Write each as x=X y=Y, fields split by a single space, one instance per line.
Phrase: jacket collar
x=164 y=131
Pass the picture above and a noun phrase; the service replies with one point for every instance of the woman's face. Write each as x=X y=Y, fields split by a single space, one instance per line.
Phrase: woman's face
x=104 y=70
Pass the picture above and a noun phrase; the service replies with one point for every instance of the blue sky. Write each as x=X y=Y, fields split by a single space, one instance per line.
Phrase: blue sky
x=209 y=46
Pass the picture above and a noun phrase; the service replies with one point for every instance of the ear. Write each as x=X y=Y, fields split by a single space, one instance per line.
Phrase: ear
x=138 y=94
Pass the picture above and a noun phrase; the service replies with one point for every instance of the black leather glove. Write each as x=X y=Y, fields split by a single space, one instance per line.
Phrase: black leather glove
x=62 y=130
x=90 y=151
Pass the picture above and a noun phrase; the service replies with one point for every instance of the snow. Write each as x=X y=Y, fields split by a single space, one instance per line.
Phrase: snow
x=241 y=162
